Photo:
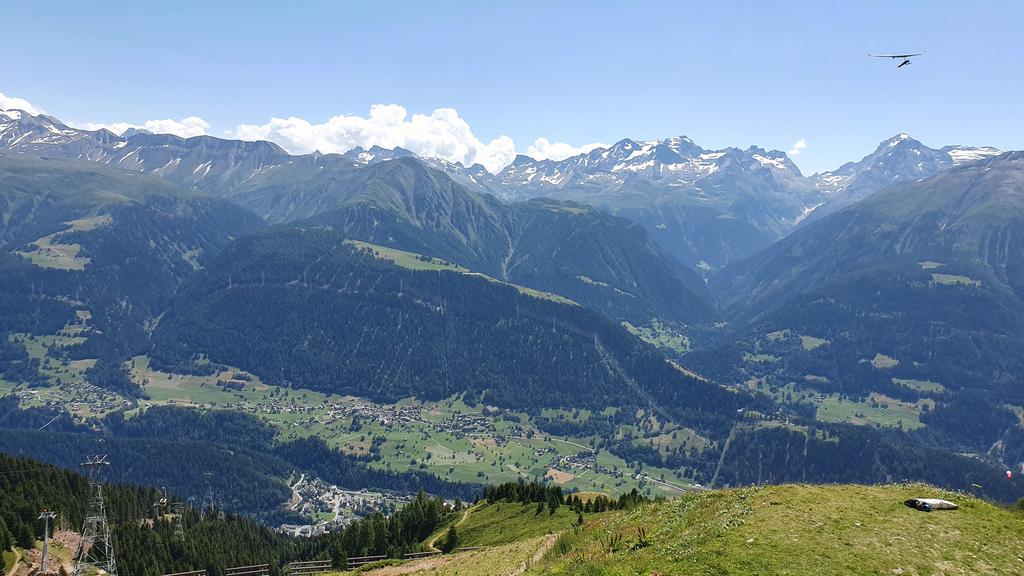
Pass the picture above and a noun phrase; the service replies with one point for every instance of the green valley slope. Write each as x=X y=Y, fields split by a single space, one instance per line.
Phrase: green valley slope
x=101 y=249
x=307 y=307
x=601 y=261
x=913 y=298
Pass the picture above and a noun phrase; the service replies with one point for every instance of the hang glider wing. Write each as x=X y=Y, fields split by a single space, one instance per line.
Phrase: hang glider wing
x=895 y=55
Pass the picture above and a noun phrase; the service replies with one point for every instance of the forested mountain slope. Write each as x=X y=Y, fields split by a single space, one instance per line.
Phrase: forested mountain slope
x=83 y=241
x=915 y=293
x=604 y=262
x=307 y=307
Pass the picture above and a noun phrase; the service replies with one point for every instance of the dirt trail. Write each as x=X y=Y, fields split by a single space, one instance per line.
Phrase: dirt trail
x=545 y=545
x=465 y=516
x=17 y=560
x=426 y=565
x=453 y=563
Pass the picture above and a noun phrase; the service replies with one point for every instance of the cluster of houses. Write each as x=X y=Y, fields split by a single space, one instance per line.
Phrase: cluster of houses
x=335 y=507
x=461 y=425
x=81 y=399
x=587 y=460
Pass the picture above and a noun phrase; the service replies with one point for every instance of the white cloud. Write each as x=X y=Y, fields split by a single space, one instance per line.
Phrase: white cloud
x=798 y=147
x=12 y=103
x=186 y=127
x=442 y=134
x=542 y=149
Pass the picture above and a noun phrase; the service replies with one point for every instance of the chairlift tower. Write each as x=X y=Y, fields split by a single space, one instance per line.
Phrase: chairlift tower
x=160 y=506
x=178 y=513
x=96 y=547
x=46 y=516
x=208 y=500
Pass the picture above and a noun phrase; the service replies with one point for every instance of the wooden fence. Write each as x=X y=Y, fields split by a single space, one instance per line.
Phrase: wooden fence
x=255 y=570
x=192 y=573
x=309 y=568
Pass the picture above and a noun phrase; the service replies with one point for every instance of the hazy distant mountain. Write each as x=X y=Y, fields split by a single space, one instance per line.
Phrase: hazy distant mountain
x=705 y=207
x=967 y=216
x=213 y=165
x=710 y=208
x=898 y=159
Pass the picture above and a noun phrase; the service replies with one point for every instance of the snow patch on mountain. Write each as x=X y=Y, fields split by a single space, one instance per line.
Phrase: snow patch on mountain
x=963 y=154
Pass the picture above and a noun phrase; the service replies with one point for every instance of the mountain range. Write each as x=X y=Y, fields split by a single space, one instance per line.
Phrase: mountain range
x=757 y=293
x=707 y=208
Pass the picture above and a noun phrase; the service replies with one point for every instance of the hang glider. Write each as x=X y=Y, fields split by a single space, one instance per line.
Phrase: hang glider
x=905 y=57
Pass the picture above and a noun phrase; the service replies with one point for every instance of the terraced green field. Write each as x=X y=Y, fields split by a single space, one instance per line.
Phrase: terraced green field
x=414 y=261
x=661 y=336
x=409 y=260
x=877 y=410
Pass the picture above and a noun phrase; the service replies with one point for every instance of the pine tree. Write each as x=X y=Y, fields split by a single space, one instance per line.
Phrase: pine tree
x=451 y=540
x=6 y=538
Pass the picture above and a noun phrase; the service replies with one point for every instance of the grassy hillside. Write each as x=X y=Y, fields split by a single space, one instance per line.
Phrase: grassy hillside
x=414 y=261
x=790 y=529
x=507 y=522
x=797 y=529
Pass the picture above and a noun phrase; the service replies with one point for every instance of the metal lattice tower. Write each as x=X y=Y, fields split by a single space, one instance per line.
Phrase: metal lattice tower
x=209 y=502
x=160 y=506
x=96 y=548
x=46 y=516
x=178 y=512
x=164 y=507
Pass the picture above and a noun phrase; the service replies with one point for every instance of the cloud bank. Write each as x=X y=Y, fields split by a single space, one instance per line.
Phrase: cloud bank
x=542 y=149
x=12 y=103
x=798 y=147
x=186 y=127
x=442 y=134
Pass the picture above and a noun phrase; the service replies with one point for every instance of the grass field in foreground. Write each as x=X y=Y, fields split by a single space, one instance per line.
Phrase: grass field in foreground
x=498 y=560
x=797 y=530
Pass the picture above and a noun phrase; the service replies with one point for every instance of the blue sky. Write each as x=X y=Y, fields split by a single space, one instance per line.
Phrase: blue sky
x=724 y=73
